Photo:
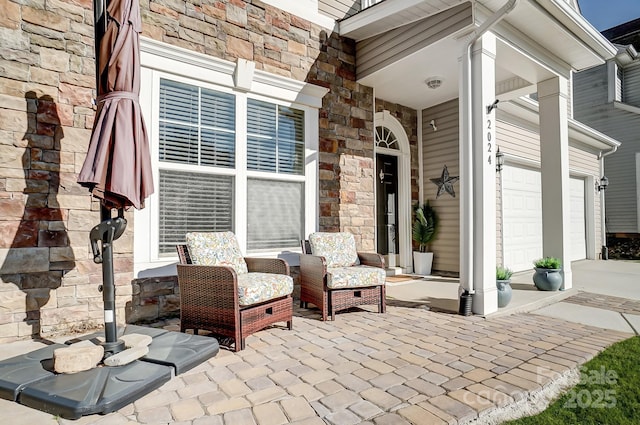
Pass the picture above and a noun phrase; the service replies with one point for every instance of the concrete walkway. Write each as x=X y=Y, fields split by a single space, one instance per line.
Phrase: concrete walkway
x=408 y=366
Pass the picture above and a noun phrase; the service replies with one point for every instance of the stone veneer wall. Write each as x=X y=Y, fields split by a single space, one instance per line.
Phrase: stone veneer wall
x=48 y=281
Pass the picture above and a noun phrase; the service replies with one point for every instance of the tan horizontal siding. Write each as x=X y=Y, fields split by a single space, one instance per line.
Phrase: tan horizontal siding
x=382 y=50
x=338 y=9
x=441 y=148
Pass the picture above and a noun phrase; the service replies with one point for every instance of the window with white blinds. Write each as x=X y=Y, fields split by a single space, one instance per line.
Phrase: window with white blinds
x=193 y=202
x=275 y=214
x=197 y=125
x=275 y=138
x=197 y=129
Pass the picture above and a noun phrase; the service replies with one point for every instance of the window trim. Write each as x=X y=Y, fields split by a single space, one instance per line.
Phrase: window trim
x=160 y=60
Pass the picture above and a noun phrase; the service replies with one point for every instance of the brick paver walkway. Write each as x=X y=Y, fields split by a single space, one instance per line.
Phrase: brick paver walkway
x=408 y=366
x=606 y=302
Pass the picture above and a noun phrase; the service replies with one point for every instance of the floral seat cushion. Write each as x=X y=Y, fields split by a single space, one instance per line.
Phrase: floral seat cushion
x=338 y=249
x=258 y=287
x=354 y=277
x=216 y=249
x=222 y=249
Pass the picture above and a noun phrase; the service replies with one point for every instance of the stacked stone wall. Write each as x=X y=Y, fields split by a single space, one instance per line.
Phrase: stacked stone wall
x=48 y=280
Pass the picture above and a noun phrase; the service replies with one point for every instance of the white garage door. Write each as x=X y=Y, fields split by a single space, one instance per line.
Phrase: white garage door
x=578 y=247
x=522 y=218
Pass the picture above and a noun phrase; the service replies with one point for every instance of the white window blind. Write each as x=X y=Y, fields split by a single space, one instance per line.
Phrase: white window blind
x=197 y=125
x=275 y=214
x=275 y=138
x=193 y=202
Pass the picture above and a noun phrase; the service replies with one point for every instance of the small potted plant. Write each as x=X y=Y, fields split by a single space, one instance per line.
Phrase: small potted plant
x=425 y=229
x=503 y=282
x=547 y=276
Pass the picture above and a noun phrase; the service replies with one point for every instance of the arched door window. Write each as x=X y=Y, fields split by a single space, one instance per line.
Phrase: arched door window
x=393 y=191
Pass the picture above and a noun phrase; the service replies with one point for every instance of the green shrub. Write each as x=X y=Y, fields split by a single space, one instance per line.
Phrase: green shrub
x=425 y=226
x=503 y=273
x=548 y=263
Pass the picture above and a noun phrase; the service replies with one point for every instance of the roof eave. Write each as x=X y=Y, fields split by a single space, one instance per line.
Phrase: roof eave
x=528 y=110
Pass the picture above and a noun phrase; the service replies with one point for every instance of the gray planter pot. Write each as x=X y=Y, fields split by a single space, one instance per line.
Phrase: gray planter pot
x=547 y=279
x=504 y=292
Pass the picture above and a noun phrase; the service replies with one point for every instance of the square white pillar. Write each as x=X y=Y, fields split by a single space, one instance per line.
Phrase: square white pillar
x=483 y=53
x=554 y=158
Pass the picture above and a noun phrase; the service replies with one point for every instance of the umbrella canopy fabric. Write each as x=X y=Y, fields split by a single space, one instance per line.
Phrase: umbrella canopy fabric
x=117 y=168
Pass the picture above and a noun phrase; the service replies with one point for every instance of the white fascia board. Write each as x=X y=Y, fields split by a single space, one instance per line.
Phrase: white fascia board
x=581 y=27
x=288 y=89
x=373 y=14
x=527 y=47
x=162 y=56
x=589 y=136
x=527 y=109
x=626 y=54
x=626 y=107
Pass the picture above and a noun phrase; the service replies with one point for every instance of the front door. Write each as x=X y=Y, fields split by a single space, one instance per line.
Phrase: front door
x=387 y=207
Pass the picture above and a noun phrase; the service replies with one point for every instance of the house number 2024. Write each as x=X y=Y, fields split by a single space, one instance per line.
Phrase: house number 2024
x=489 y=141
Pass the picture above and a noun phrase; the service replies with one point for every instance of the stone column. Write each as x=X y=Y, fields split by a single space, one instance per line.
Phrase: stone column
x=554 y=153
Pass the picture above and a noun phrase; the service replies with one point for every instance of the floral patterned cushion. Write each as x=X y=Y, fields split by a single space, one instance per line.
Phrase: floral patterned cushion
x=216 y=249
x=353 y=277
x=258 y=287
x=338 y=249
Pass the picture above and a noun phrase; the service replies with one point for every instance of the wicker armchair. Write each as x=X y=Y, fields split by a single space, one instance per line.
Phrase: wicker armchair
x=216 y=298
x=338 y=282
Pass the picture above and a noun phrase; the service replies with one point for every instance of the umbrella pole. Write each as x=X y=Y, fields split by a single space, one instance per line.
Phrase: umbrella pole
x=109 y=229
x=106 y=232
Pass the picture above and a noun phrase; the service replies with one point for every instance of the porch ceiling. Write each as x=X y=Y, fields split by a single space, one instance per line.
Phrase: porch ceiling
x=404 y=81
x=537 y=40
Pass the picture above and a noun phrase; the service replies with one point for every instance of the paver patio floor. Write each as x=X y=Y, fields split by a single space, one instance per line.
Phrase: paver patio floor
x=408 y=366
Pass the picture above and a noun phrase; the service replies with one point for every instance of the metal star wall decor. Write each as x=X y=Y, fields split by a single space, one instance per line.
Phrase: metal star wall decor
x=445 y=183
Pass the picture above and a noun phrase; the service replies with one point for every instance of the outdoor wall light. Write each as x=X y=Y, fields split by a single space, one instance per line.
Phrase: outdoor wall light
x=433 y=125
x=499 y=160
x=493 y=106
x=602 y=184
x=381 y=175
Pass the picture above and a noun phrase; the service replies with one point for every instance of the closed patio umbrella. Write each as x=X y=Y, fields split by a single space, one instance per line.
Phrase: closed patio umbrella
x=117 y=169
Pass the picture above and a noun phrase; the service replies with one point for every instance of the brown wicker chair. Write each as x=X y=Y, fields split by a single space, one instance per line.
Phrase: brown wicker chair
x=209 y=299
x=314 y=289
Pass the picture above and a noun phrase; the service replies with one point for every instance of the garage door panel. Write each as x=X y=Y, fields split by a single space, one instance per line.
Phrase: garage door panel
x=522 y=217
x=577 y=230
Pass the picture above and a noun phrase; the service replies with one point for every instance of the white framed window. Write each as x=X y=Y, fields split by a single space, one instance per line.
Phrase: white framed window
x=232 y=149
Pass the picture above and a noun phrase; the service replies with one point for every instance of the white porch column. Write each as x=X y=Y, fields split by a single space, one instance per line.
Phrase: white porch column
x=554 y=153
x=485 y=299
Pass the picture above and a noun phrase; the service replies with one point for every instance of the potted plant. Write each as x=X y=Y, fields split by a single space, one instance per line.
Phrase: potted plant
x=547 y=275
x=503 y=282
x=425 y=229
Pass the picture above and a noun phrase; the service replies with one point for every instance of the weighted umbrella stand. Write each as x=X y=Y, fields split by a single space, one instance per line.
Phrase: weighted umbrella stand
x=106 y=232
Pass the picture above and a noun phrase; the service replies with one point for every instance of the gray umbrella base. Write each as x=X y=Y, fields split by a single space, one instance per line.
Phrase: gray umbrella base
x=100 y=390
x=29 y=378
x=178 y=350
